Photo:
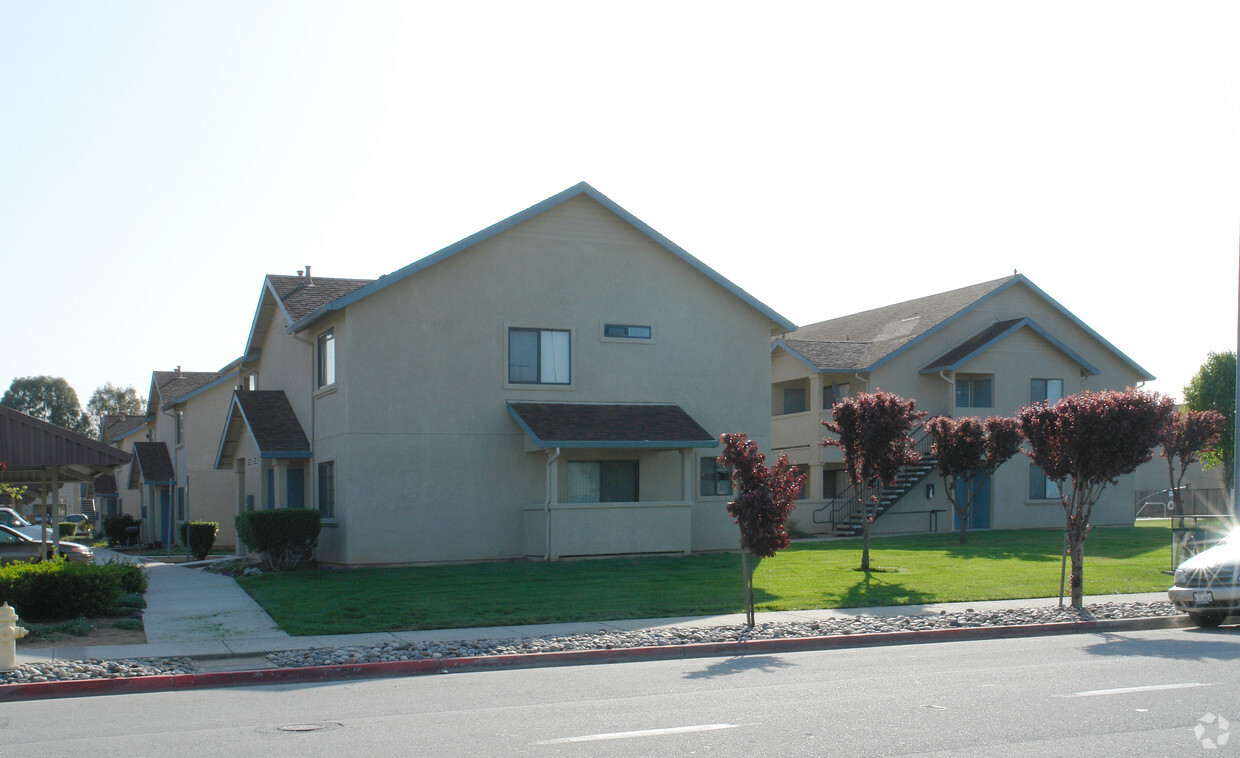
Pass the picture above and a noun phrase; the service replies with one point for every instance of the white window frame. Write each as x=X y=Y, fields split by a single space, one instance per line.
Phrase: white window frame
x=325 y=359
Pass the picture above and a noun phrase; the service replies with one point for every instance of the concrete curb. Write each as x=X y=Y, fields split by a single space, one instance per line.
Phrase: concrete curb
x=178 y=682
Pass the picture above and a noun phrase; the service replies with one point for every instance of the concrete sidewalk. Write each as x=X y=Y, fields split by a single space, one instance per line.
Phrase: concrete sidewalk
x=196 y=614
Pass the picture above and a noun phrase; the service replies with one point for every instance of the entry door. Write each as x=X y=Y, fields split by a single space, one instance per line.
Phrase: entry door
x=979 y=517
x=165 y=516
x=296 y=489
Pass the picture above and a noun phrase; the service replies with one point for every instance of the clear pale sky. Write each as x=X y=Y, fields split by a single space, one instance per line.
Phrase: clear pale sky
x=158 y=159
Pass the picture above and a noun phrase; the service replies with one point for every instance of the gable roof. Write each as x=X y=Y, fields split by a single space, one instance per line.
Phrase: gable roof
x=151 y=465
x=171 y=387
x=994 y=334
x=28 y=446
x=609 y=425
x=269 y=419
x=867 y=340
x=581 y=189
x=295 y=298
x=117 y=426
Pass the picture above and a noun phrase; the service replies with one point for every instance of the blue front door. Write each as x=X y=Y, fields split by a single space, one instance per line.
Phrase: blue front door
x=979 y=517
x=296 y=489
x=165 y=516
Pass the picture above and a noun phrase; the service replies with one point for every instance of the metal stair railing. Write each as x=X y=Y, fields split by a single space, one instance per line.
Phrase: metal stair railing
x=846 y=511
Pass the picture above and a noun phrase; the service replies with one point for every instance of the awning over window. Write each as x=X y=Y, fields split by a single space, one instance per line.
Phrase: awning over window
x=609 y=425
x=151 y=465
x=268 y=418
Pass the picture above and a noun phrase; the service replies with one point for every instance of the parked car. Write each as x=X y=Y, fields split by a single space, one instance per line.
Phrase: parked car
x=13 y=520
x=1207 y=586
x=15 y=546
x=81 y=520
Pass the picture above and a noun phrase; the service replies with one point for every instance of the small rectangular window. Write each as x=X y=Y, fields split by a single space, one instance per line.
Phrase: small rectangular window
x=326 y=361
x=538 y=356
x=1045 y=390
x=327 y=489
x=1040 y=487
x=714 y=479
x=180 y=503
x=179 y=420
x=975 y=393
x=627 y=331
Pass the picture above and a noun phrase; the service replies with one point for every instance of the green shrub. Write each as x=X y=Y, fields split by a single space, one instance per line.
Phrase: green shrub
x=58 y=589
x=284 y=538
x=130 y=576
x=201 y=537
x=114 y=528
x=67 y=529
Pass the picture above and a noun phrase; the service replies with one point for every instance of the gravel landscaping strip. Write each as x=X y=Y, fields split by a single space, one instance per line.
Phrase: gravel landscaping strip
x=604 y=639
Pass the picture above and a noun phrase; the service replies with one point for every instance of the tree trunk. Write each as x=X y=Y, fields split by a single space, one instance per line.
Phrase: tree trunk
x=866 y=522
x=964 y=525
x=748 y=573
x=1076 y=552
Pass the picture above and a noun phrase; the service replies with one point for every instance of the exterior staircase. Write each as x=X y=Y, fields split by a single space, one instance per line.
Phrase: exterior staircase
x=846 y=513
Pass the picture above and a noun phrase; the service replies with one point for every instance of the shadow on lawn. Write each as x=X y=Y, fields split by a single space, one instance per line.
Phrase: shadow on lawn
x=874 y=590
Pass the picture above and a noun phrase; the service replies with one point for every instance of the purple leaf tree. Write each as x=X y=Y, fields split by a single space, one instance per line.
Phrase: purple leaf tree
x=765 y=498
x=873 y=433
x=1092 y=438
x=968 y=451
x=1187 y=435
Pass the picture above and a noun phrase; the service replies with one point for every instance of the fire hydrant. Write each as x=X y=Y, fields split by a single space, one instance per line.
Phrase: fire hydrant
x=10 y=633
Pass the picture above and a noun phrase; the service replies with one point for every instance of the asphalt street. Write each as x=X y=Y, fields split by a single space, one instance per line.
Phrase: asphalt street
x=1171 y=692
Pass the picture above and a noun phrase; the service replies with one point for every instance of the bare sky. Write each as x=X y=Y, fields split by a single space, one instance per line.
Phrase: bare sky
x=158 y=159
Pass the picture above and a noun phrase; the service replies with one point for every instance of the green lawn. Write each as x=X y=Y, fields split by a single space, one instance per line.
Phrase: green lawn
x=907 y=570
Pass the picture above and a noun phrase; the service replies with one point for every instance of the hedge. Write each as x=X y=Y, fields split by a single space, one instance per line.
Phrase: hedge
x=284 y=538
x=200 y=537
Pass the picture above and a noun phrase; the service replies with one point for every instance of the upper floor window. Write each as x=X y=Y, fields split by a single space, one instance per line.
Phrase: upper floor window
x=325 y=372
x=833 y=393
x=538 y=356
x=327 y=489
x=794 y=400
x=179 y=426
x=977 y=392
x=1049 y=390
x=714 y=479
x=627 y=331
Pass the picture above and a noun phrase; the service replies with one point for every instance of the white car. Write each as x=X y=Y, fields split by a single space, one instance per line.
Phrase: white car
x=13 y=520
x=1207 y=586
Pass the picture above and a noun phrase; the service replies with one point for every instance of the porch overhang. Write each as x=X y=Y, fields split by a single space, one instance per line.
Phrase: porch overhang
x=268 y=419
x=151 y=465
x=651 y=426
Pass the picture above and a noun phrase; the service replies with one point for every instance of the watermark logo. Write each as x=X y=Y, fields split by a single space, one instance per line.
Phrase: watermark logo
x=1212 y=731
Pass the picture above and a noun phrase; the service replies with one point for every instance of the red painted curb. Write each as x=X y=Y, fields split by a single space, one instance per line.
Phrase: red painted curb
x=174 y=682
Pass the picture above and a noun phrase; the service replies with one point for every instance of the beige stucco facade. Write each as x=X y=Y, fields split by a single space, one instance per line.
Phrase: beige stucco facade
x=1052 y=345
x=429 y=464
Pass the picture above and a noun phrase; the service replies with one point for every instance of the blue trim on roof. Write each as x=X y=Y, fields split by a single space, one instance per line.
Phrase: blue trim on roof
x=236 y=405
x=792 y=351
x=1014 y=280
x=249 y=357
x=602 y=444
x=228 y=419
x=138 y=428
x=268 y=289
x=200 y=390
x=581 y=188
x=1023 y=323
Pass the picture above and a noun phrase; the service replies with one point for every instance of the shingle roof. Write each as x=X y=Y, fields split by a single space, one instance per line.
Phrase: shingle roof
x=117 y=425
x=301 y=296
x=272 y=422
x=105 y=485
x=171 y=386
x=609 y=425
x=858 y=341
x=151 y=463
x=972 y=345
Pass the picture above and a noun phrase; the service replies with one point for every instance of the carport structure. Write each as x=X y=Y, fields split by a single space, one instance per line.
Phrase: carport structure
x=42 y=456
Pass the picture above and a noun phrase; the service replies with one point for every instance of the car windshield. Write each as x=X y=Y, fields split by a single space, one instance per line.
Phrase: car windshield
x=9 y=517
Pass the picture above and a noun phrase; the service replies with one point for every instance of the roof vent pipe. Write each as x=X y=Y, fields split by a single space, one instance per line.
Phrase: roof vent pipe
x=309 y=281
